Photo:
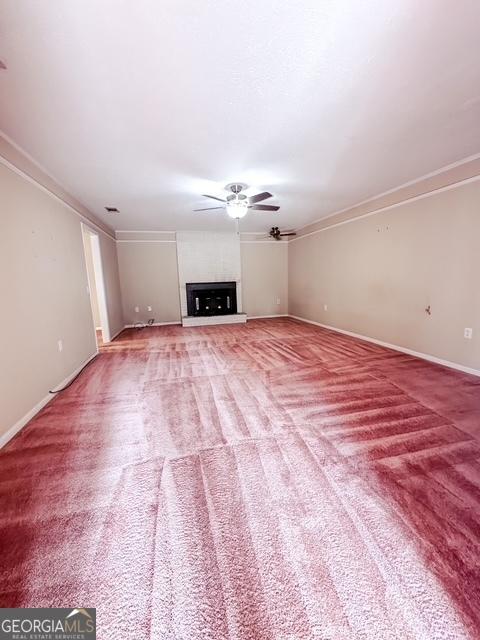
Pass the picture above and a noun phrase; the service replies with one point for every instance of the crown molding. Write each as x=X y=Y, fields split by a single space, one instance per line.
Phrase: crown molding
x=20 y=162
x=145 y=241
x=449 y=176
x=141 y=231
x=151 y=236
x=386 y=208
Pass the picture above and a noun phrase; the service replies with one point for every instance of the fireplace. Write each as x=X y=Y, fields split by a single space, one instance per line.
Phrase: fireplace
x=211 y=298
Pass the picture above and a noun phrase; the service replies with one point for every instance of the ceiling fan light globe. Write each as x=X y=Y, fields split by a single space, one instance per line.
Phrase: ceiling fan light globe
x=237 y=209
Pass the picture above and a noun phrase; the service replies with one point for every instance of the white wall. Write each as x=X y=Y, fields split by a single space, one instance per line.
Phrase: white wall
x=208 y=256
x=149 y=276
x=378 y=274
x=44 y=294
x=265 y=277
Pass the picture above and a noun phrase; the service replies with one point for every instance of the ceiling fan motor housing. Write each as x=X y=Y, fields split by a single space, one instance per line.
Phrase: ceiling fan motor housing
x=236 y=187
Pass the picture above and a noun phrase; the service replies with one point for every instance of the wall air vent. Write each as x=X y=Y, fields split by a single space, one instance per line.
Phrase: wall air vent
x=112 y=210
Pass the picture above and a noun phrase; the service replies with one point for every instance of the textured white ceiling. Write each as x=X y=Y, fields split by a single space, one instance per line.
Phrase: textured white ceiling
x=146 y=104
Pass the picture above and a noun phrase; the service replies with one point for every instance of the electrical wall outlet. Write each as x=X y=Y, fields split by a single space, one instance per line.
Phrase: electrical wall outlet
x=325 y=307
x=468 y=333
x=60 y=345
x=278 y=300
x=137 y=309
x=149 y=308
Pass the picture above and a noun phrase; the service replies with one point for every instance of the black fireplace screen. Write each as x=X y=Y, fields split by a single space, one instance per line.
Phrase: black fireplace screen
x=211 y=298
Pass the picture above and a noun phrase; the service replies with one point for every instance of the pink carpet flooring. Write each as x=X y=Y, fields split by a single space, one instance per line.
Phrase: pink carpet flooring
x=267 y=481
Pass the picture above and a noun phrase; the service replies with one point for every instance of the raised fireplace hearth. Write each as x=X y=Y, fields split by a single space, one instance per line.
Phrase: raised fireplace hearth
x=211 y=298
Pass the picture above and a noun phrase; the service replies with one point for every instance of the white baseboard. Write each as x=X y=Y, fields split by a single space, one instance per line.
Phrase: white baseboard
x=276 y=315
x=395 y=347
x=8 y=435
x=154 y=324
x=163 y=324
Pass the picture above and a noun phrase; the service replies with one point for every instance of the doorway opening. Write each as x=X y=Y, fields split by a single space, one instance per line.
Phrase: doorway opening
x=96 y=284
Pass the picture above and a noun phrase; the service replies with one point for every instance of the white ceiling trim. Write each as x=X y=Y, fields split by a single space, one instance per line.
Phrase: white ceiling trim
x=150 y=241
x=22 y=172
x=388 y=207
x=141 y=231
x=271 y=242
x=52 y=194
x=31 y=159
x=432 y=174
x=243 y=233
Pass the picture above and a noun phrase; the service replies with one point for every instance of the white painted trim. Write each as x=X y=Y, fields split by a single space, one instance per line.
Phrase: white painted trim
x=140 y=231
x=395 y=347
x=272 y=242
x=277 y=315
x=247 y=233
x=6 y=437
x=31 y=159
x=163 y=324
x=388 y=207
x=251 y=233
x=437 y=172
x=100 y=287
x=143 y=240
x=150 y=241
x=155 y=324
x=40 y=186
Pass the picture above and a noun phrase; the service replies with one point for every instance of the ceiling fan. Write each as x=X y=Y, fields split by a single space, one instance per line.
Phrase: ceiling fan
x=237 y=204
x=276 y=234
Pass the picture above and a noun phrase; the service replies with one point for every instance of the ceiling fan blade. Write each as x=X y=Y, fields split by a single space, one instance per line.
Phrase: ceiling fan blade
x=288 y=234
x=209 y=208
x=213 y=197
x=263 y=207
x=259 y=197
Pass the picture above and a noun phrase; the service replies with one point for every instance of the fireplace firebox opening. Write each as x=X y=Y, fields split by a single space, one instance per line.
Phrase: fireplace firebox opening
x=211 y=298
